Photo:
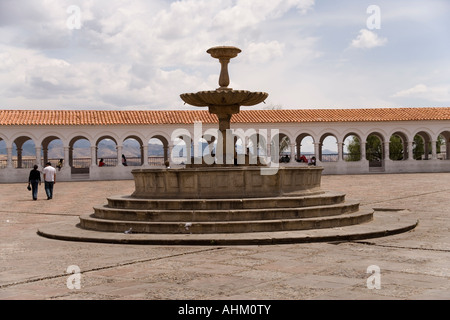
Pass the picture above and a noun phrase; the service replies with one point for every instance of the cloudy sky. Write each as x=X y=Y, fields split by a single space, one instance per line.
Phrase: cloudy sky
x=98 y=54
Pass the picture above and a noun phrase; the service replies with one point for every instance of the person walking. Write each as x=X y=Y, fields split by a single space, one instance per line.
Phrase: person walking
x=49 y=179
x=34 y=180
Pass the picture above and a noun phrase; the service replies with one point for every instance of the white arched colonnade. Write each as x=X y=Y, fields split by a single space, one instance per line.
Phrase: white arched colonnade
x=421 y=142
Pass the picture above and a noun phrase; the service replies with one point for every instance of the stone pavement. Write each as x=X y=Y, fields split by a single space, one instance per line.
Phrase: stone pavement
x=413 y=265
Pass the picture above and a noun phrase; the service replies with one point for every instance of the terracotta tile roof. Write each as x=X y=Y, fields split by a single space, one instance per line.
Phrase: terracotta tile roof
x=103 y=117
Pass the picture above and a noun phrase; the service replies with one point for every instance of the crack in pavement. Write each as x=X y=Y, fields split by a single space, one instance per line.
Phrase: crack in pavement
x=107 y=267
x=405 y=197
x=399 y=247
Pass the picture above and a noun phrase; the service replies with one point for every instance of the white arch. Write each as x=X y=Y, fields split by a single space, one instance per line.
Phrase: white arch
x=56 y=134
x=83 y=134
x=24 y=134
x=106 y=134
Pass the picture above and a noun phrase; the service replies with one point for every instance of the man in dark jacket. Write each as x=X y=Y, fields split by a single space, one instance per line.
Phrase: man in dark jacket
x=34 y=179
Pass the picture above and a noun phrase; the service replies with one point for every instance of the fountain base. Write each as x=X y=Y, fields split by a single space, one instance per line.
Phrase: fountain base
x=183 y=207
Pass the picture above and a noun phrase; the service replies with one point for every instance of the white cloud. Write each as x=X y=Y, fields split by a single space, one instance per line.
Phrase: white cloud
x=263 y=52
x=367 y=39
x=422 y=91
x=143 y=54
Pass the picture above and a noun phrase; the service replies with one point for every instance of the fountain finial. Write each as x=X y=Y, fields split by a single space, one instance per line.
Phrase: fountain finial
x=224 y=54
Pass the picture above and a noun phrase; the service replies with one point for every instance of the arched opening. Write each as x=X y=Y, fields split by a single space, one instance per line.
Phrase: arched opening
x=328 y=151
x=422 y=146
x=374 y=150
x=24 y=152
x=443 y=146
x=305 y=148
x=398 y=146
x=106 y=150
x=157 y=150
x=284 y=148
x=3 y=154
x=133 y=150
x=80 y=155
x=352 y=147
x=52 y=150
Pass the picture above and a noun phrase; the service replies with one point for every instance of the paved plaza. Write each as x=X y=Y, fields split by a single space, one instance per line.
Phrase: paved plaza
x=409 y=266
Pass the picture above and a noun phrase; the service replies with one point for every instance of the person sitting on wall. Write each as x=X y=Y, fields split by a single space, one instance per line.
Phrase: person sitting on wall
x=101 y=163
x=312 y=161
x=60 y=164
x=302 y=159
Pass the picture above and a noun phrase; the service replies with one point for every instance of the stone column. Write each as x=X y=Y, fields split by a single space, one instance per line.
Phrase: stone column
x=45 y=152
x=169 y=154
x=317 y=150
x=93 y=155
x=405 y=148
x=144 y=155
x=386 y=150
x=119 y=155
x=66 y=157
x=426 y=149
x=292 y=152
x=9 y=162
x=38 y=156
x=340 y=151
x=19 y=157
x=410 y=150
x=363 y=150
x=433 y=150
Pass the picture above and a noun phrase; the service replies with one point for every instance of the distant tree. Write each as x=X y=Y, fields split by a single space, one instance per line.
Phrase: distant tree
x=396 y=151
x=284 y=145
x=354 y=150
x=373 y=149
x=419 y=146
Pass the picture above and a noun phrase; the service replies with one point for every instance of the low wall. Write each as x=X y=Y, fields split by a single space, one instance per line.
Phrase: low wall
x=388 y=166
x=12 y=175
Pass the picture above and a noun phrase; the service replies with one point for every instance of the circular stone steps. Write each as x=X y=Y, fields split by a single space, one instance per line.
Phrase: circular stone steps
x=321 y=198
x=106 y=212
x=92 y=223
x=384 y=223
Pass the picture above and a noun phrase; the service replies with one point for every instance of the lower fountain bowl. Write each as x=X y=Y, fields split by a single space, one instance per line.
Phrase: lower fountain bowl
x=226 y=182
x=224 y=98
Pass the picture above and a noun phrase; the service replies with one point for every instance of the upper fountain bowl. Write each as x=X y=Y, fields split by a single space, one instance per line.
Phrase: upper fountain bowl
x=224 y=52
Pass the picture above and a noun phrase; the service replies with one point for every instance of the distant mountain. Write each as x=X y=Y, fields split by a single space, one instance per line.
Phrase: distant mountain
x=82 y=149
x=107 y=149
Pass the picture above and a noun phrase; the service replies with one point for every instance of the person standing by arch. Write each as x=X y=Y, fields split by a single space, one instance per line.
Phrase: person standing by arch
x=124 y=160
x=49 y=179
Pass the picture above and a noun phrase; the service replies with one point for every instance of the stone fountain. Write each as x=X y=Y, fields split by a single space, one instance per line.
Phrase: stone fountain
x=224 y=101
x=224 y=203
